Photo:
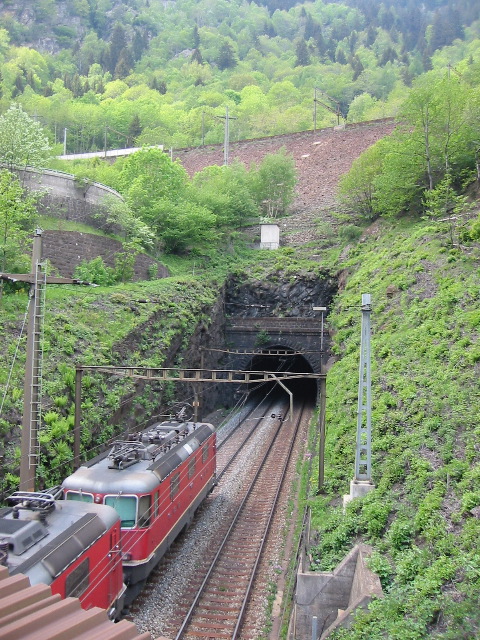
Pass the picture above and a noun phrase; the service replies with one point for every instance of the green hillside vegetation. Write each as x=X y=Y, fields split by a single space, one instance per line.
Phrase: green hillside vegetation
x=426 y=461
x=408 y=233
x=149 y=72
x=155 y=333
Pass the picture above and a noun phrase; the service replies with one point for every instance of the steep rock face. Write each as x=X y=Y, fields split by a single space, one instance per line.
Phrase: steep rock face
x=182 y=352
x=44 y=24
x=294 y=297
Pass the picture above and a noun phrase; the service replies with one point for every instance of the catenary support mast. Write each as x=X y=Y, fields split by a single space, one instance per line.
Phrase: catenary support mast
x=32 y=395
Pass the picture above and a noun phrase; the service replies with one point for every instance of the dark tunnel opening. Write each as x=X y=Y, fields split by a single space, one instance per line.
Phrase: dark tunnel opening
x=286 y=360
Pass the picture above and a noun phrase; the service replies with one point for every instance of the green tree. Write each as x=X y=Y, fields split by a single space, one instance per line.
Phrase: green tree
x=301 y=51
x=188 y=227
x=134 y=128
x=274 y=183
x=22 y=140
x=434 y=117
x=444 y=203
x=356 y=188
x=17 y=219
x=149 y=176
x=225 y=191
x=118 y=45
x=226 y=58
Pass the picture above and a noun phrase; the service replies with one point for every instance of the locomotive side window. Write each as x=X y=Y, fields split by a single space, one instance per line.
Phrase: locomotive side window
x=174 y=485
x=126 y=507
x=81 y=497
x=155 y=505
x=192 y=463
x=144 y=505
x=77 y=581
x=205 y=453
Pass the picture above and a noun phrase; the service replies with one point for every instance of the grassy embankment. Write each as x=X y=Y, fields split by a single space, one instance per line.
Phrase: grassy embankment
x=104 y=325
x=426 y=453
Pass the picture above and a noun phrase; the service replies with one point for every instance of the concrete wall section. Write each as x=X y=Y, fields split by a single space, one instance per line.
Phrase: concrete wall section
x=69 y=199
x=298 y=334
x=333 y=596
x=65 y=185
x=66 y=249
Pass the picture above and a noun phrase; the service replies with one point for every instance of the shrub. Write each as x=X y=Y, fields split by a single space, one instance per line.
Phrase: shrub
x=95 y=271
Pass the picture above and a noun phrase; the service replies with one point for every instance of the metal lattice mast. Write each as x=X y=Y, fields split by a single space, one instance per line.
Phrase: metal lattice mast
x=32 y=395
x=36 y=365
x=363 y=470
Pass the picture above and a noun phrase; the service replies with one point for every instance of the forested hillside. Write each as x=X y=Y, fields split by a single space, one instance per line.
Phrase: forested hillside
x=403 y=226
x=152 y=72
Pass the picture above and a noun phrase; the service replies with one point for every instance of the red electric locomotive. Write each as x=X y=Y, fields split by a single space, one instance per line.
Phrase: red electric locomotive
x=74 y=548
x=155 y=481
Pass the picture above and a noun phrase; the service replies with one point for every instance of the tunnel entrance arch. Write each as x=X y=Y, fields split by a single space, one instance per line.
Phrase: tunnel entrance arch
x=280 y=357
x=302 y=344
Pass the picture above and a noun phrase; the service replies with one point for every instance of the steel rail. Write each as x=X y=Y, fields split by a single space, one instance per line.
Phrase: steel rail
x=256 y=422
x=235 y=521
x=268 y=523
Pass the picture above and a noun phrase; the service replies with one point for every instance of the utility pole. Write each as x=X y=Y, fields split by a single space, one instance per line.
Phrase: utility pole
x=226 y=136
x=362 y=481
x=322 y=392
x=32 y=397
x=363 y=466
x=65 y=141
x=336 y=110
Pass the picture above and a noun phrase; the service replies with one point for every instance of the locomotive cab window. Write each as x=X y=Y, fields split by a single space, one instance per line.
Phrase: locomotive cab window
x=174 y=485
x=144 y=504
x=126 y=507
x=192 y=463
x=79 y=496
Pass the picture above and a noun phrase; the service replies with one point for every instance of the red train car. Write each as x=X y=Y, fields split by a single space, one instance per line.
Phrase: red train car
x=155 y=481
x=74 y=548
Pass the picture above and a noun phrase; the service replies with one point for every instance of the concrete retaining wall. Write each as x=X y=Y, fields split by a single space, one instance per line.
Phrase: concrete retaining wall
x=69 y=199
x=334 y=596
x=66 y=198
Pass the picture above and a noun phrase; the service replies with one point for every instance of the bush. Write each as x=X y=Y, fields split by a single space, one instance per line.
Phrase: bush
x=95 y=271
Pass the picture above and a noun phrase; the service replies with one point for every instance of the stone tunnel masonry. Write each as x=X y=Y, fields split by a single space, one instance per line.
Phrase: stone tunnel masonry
x=262 y=315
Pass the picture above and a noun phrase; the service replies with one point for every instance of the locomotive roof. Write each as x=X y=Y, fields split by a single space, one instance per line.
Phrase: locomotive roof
x=143 y=475
x=43 y=550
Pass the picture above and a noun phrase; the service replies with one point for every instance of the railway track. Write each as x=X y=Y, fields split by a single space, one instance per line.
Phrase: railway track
x=219 y=604
x=229 y=448
x=177 y=600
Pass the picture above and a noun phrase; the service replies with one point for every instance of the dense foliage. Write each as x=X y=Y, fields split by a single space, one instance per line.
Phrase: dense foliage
x=186 y=214
x=422 y=518
x=163 y=209
x=430 y=160
x=150 y=72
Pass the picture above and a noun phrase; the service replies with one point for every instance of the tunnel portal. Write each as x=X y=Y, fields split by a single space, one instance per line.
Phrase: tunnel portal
x=286 y=359
x=279 y=344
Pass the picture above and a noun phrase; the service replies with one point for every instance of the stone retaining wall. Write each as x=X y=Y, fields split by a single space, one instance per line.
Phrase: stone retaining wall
x=67 y=249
